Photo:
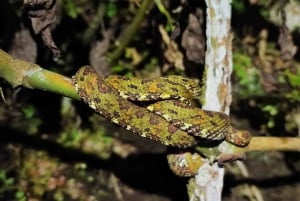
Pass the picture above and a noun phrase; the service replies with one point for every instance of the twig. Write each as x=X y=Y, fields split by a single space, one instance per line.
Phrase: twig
x=127 y=35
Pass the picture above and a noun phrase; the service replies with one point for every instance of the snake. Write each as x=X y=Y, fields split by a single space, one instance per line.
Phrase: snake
x=106 y=100
x=171 y=120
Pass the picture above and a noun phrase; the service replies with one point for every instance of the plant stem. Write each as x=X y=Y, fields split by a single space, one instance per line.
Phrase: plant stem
x=18 y=72
x=127 y=35
x=274 y=144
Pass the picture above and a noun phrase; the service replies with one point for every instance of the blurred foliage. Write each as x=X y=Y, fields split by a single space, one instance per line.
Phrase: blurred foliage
x=272 y=111
x=294 y=80
x=163 y=10
x=111 y=10
x=238 y=6
x=71 y=8
x=6 y=183
x=248 y=76
x=93 y=141
x=56 y=144
x=268 y=84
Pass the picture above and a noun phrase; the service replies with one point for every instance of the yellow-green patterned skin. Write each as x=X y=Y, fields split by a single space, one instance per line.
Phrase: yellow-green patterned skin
x=200 y=123
x=197 y=122
x=105 y=100
x=171 y=122
x=184 y=164
x=161 y=88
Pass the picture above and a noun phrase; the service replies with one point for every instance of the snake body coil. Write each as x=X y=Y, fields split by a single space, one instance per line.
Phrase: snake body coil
x=105 y=100
x=171 y=120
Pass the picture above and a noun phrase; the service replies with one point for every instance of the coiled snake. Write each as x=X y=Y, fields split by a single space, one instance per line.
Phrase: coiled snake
x=171 y=120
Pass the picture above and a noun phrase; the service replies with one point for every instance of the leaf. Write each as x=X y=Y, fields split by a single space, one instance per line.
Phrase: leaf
x=111 y=10
x=294 y=79
x=42 y=15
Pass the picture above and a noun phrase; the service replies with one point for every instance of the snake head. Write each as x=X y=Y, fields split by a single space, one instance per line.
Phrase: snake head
x=238 y=137
x=184 y=163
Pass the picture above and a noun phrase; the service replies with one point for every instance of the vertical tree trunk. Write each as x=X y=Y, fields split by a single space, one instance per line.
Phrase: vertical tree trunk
x=208 y=183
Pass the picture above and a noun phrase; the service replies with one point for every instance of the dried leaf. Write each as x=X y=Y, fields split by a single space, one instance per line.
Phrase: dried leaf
x=97 y=55
x=42 y=15
x=193 y=39
x=287 y=46
x=285 y=39
x=172 y=53
x=23 y=46
x=264 y=62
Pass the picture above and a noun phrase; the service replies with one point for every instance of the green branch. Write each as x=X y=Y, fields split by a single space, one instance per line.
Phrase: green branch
x=22 y=73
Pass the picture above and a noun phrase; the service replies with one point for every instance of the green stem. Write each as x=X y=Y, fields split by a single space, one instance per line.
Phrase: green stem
x=126 y=37
x=18 y=72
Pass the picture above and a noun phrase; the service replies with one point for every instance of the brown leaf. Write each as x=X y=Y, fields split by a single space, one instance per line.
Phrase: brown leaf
x=193 y=39
x=97 y=54
x=267 y=74
x=48 y=40
x=285 y=39
x=42 y=15
x=287 y=47
x=23 y=46
x=172 y=53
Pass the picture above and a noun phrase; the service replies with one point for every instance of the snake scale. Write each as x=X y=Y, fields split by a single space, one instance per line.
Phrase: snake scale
x=171 y=120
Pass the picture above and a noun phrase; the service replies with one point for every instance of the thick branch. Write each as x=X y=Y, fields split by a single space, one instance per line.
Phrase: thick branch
x=208 y=183
x=274 y=144
x=22 y=73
